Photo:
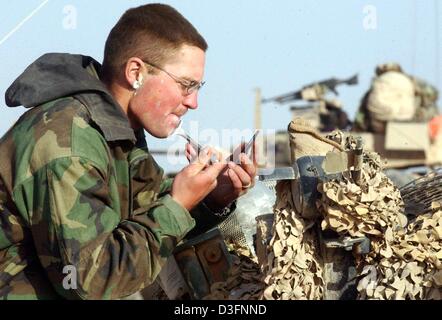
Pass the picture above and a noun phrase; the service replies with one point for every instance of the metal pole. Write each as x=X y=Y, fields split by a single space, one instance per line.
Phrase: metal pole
x=357 y=173
x=258 y=99
x=259 y=142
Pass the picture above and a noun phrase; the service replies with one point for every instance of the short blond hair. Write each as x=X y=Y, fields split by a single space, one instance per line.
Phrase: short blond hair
x=152 y=32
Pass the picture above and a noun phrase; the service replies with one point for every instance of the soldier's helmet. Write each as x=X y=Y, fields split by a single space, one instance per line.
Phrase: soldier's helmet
x=386 y=67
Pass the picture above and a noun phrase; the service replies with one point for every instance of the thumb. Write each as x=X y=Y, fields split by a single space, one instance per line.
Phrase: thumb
x=199 y=163
x=215 y=169
x=190 y=152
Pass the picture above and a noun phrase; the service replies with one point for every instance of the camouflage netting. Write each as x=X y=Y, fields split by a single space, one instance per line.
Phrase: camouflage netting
x=367 y=209
x=404 y=261
x=294 y=267
x=406 y=264
x=245 y=278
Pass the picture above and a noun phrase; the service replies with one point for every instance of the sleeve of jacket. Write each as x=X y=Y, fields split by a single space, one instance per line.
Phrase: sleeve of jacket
x=205 y=219
x=76 y=228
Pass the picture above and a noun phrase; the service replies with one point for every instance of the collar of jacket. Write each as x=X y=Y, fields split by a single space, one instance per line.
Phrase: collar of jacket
x=106 y=112
x=108 y=116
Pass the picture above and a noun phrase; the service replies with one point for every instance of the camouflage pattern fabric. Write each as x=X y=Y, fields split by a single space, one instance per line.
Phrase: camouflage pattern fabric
x=78 y=187
x=426 y=100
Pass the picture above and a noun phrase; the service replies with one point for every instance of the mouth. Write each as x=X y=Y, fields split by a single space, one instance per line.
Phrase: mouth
x=180 y=114
x=175 y=119
x=175 y=124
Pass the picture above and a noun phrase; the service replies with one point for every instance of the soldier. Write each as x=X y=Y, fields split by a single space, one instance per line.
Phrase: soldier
x=80 y=195
x=395 y=96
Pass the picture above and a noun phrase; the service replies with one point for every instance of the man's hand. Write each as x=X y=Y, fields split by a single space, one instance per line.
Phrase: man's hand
x=196 y=181
x=234 y=180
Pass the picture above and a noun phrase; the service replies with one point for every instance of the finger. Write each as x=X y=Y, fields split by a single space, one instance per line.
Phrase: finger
x=236 y=181
x=200 y=156
x=216 y=153
x=188 y=156
x=252 y=152
x=212 y=186
x=200 y=162
x=212 y=173
x=191 y=151
x=214 y=170
x=216 y=156
x=204 y=156
x=243 y=176
x=248 y=166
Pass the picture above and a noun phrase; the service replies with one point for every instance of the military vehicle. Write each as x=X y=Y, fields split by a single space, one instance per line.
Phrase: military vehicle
x=407 y=145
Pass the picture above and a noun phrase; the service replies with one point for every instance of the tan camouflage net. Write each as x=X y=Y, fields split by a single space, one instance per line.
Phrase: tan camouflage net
x=245 y=278
x=403 y=263
x=294 y=268
x=367 y=209
x=409 y=263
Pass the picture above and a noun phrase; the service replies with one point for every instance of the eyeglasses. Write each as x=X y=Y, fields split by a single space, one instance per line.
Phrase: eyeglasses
x=188 y=86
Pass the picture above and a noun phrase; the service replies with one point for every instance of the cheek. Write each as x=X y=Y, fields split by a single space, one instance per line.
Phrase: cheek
x=155 y=105
x=163 y=100
x=156 y=100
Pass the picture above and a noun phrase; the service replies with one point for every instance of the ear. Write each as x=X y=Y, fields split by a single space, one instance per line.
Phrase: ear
x=133 y=71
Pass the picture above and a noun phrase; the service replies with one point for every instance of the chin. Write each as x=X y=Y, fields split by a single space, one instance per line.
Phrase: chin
x=160 y=134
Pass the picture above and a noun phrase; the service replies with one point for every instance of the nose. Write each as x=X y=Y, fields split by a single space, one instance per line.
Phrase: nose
x=191 y=101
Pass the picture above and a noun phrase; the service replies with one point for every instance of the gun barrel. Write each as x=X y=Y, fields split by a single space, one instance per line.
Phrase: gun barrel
x=330 y=84
x=284 y=98
x=353 y=80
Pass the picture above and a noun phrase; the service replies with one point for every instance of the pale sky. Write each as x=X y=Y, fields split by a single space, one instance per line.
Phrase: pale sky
x=277 y=45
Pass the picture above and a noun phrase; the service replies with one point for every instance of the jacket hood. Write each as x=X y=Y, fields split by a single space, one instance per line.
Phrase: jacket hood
x=53 y=76
x=58 y=75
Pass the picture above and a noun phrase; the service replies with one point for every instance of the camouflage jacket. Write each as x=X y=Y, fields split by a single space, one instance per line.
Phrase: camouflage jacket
x=79 y=189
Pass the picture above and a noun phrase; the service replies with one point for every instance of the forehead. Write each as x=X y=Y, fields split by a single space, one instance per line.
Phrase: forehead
x=188 y=63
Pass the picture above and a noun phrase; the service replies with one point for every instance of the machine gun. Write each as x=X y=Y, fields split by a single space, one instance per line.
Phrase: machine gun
x=314 y=91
